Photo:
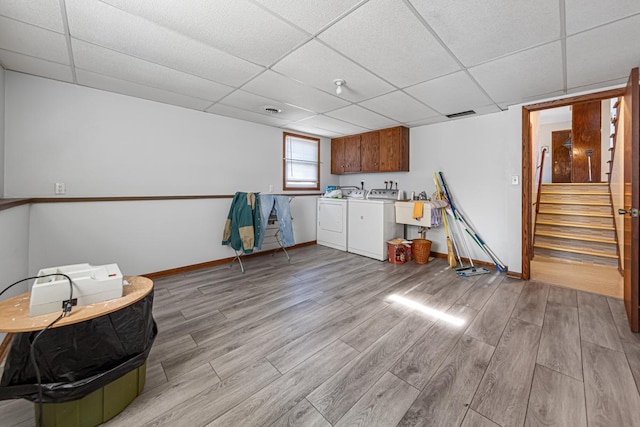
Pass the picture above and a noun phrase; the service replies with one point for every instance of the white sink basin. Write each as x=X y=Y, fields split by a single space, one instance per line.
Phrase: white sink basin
x=404 y=214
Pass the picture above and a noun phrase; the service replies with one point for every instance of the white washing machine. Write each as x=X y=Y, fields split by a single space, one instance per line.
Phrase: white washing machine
x=371 y=223
x=332 y=223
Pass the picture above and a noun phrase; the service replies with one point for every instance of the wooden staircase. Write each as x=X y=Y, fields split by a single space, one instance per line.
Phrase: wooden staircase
x=575 y=223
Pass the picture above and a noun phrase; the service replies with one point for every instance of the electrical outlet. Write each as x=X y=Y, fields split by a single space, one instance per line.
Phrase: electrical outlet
x=515 y=180
x=270 y=188
x=60 y=188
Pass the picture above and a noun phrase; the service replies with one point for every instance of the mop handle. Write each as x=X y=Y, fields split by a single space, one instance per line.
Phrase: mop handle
x=446 y=190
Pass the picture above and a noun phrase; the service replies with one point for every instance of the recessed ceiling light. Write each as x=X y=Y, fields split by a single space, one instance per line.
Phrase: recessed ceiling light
x=272 y=110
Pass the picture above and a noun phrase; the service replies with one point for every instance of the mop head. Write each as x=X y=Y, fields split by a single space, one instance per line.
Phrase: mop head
x=472 y=271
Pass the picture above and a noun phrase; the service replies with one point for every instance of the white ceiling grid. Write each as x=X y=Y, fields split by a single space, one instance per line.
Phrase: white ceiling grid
x=408 y=62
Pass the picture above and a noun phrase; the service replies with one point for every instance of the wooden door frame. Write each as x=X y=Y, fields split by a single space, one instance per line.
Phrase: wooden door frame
x=527 y=155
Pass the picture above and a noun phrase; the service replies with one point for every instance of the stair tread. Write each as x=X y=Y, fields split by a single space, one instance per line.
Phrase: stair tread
x=563 y=202
x=575 y=237
x=574 y=183
x=576 y=225
x=577 y=193
x=574 y=250
x=598 y=215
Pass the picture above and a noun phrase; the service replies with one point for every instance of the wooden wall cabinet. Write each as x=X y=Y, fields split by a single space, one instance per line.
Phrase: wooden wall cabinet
x=345 y=154
x=385 y=150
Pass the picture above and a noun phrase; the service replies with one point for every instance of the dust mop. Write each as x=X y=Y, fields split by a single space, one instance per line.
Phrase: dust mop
x=471 y=270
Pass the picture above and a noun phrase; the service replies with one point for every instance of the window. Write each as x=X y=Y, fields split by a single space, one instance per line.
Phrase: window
x=301 y=162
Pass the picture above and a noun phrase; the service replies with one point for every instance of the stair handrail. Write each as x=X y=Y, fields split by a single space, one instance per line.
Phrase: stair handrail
x=537 y=202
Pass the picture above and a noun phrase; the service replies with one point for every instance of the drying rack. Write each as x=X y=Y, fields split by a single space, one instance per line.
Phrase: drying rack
x=272 y=236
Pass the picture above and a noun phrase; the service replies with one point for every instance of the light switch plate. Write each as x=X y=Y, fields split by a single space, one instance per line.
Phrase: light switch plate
x=60 y=188
x=515 y=180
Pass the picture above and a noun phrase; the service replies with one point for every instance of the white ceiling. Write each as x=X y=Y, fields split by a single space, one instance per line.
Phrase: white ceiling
x=408 y=62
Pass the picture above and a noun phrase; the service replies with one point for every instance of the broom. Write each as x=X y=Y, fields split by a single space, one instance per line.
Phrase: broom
x=451 y=256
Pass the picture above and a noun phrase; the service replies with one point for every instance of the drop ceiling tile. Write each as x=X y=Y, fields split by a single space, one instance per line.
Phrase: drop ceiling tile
x=280 y=88
x=97 y=81
x=238 y=27
x=317 y=65
x=331 y=124
x=604 y=53
x=43 y=13
x=608 y=84
x=431 y=120
x=33 y=41
x=256 y=103
x=584 y=14
x=450 y=94
x=249 y=116
x=107 y=62
x=385 y=37
x=311 y=16
x=531 y=73
x=104 y=25
x=300 y=127
x=37 y=67
x=477 y=31
x=362 y=117
x=399 y=106
x=487 y=109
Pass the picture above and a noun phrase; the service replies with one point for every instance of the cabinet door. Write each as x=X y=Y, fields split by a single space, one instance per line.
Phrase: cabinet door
x=352 y=153
x=370 y=152
x=337 y=156
x=394 y=149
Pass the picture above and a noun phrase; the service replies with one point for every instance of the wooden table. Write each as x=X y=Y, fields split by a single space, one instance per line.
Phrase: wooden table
x=14 y=312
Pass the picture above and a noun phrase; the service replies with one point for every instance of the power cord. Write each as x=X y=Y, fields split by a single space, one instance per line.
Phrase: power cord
x=66 y=309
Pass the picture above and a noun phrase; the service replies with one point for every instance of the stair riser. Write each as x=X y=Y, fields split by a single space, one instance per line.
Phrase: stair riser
x=607 y=222
x=577 y=231
x=578 y=188
x=604 y=248
x=575 y=198
x=588 y=259
x=606 y=210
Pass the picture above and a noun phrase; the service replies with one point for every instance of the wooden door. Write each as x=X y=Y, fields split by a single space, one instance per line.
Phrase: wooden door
x=352 y=153
x=631 y=138
x=585 y=136
x=561 y=156
x=370 y=152
x=337 y=156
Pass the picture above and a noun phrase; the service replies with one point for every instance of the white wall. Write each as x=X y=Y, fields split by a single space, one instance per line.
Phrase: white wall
x=14 y=253
x=477 y=156
x=141 y=237
x=2 y=72
x=105 y=144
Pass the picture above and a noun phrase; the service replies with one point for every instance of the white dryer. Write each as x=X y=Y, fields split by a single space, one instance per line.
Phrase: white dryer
x=332 y=223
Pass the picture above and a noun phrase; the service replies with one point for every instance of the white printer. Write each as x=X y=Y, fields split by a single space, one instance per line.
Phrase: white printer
x=91 y=284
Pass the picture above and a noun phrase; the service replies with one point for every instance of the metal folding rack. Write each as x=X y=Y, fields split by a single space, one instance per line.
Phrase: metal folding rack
x=273 y=236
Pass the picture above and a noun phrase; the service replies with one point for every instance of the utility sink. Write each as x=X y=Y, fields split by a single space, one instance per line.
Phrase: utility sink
x=404 y=214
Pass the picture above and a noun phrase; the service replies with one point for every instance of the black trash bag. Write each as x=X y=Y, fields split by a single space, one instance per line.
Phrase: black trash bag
x=79 y=359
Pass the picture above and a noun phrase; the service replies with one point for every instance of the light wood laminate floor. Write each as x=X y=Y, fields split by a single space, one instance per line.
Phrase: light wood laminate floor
x=338 y=339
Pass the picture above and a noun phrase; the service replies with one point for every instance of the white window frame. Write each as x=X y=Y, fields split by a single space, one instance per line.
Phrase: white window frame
x=288 y=183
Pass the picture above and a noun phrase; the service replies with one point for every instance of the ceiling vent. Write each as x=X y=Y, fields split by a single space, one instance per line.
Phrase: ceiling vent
x=461 y=114
x=272 y=110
